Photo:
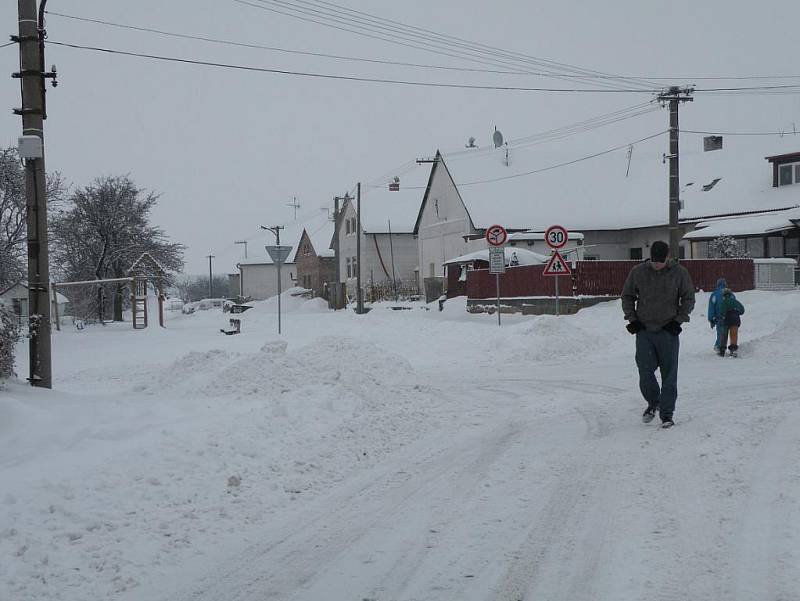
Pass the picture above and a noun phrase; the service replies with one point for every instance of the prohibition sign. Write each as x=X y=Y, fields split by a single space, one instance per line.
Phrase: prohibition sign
x=556 y=236
x=496 y=235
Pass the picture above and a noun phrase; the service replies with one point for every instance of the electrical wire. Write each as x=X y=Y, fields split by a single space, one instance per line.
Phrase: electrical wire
x=556 y=166
x=187 y=36
x=343 y=77
x=7 y=44
x=377 y=30
x=740 y=133
x=467 y=43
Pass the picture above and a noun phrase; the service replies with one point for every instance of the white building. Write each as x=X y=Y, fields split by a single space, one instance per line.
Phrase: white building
x=385 y=256
x=15 y=297
x=259 y=277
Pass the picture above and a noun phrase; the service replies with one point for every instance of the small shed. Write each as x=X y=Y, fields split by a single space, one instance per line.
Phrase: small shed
x=16 y=297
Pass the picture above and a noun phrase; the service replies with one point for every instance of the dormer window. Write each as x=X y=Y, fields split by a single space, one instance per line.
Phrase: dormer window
x=785 y=169
x=789 y=174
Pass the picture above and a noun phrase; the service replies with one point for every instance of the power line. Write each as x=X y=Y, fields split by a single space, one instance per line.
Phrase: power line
x=377 y=30
x=461 y=41
x=7 y=44
x=567 y=163
x=551 y=167
x=740 y=133
x=343 y=77
x=187 y=36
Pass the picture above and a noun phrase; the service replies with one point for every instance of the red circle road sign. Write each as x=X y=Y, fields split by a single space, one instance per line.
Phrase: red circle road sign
x=496 y=235
x=556 y=236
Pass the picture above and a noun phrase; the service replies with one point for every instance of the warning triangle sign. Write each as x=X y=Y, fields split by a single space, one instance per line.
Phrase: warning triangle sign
x=556 y=265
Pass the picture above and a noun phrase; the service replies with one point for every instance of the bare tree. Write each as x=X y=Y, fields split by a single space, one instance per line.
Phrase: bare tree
x=101 y=230
x=13 y=230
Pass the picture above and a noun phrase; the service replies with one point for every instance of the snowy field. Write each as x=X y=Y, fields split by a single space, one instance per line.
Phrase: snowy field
x=402 y=456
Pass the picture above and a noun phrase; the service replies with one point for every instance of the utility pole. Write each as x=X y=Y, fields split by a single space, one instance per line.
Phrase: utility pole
x=674 y=95
x=245 y=246
x=210 y=278
x=32 y=75
x=359 y=296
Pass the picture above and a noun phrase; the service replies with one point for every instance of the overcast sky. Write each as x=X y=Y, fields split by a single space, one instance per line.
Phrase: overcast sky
x=227 y=149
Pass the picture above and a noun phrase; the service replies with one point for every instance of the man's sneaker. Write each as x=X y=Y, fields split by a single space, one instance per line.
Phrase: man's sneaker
x=649 y=414
x=721 y=352
x=667 y=423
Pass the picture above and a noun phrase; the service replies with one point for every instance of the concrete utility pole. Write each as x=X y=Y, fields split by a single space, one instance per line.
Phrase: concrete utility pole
x=359 y=296
x=33 y=113
x=210 y=278
x=674 y=96
x=245 y=246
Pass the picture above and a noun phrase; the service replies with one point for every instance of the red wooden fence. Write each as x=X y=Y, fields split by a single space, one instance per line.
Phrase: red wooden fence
x=600 y=278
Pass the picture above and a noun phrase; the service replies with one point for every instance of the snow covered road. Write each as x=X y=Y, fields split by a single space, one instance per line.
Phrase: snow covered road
x=434 y=471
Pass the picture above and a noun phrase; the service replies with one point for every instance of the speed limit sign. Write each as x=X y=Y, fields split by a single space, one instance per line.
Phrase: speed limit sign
x=556 y=236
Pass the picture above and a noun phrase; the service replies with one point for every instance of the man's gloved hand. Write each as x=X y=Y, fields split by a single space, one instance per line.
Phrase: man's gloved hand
x=712 y=323
x=634 y=326
x=673 y=328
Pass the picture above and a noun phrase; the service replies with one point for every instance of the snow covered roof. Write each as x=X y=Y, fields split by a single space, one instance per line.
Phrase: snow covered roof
x=750 y=225
x=266 y=260
x=320 y=232
x=522 y=236
x=518 y=256
x=604 y=193
x=380 y=205
x=60 y=298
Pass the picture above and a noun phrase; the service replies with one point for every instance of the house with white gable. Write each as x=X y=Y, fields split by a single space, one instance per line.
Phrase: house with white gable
x=388 y=244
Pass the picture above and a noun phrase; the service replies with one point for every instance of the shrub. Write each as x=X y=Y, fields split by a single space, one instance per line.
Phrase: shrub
x=9 y=334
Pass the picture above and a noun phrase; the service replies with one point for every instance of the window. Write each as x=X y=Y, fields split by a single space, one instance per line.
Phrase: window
x=792 y=248
x=347 y=227
x=775 y=246
x=635 y=254
x=755 y=247
x=789 y=174
x=354 y=263
x=354 y=225
x=700 y=249
x=348 y=266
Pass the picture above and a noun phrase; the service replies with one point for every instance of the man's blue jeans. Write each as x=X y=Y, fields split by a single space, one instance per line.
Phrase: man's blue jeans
x=658 y=350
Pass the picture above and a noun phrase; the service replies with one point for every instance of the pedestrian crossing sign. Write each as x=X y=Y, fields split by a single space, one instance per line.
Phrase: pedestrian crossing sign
x=556 y=265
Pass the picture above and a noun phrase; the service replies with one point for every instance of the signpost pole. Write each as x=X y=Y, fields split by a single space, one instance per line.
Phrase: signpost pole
x=497 y=278
x=496 y=236
x=556 y=278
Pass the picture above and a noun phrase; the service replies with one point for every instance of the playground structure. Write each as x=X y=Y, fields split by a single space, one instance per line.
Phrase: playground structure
x=145 y=271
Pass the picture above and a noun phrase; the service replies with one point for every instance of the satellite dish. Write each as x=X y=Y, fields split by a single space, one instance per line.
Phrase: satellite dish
x=497 y=138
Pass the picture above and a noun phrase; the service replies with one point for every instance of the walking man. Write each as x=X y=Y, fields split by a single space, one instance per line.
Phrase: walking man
x=657 y=298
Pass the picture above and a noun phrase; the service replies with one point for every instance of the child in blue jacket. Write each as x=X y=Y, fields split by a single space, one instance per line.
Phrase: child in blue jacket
x=731 y=310
x=715 y=318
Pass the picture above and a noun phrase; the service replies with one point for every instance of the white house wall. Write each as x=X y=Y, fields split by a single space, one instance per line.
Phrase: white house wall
x=403 y=246
x=261 y=282
x=442 y=226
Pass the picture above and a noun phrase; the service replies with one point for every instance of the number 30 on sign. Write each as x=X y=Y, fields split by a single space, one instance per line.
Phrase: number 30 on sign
x=556 y=236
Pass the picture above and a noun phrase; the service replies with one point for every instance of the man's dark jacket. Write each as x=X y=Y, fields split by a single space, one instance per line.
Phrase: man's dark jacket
x=656 y=297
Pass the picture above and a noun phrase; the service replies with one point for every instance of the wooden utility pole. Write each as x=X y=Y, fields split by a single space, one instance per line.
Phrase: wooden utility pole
x=32 y=76
x=359 y=296
x=674 y=96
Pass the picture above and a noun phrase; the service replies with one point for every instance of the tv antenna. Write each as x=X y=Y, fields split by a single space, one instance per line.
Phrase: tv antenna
x=294 y=204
